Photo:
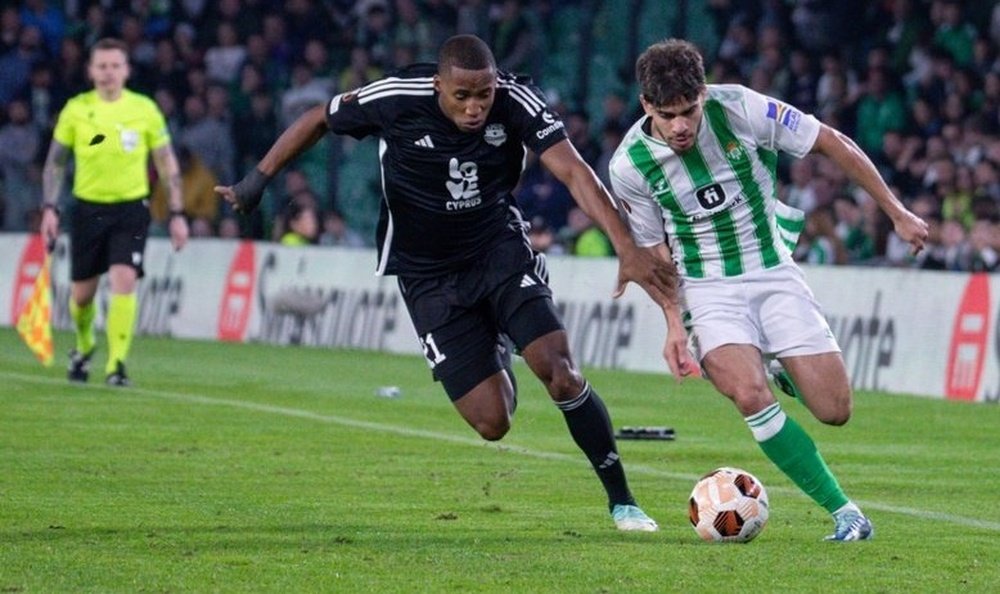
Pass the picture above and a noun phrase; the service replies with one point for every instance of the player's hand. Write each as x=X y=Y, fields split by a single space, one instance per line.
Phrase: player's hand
x=677 y=355
x=654 y=274
x=246 y=194
x=49 y=227
x=912 y=229
x=179 y=232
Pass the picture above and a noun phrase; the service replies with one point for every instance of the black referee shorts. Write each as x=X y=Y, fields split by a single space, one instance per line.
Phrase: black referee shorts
x=106 y=234
x=459 y=315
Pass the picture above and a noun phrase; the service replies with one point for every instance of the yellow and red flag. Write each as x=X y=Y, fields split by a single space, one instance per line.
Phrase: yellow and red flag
x=34 y=323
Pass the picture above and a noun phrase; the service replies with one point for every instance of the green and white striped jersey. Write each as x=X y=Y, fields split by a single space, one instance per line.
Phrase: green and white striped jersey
x=717 y=202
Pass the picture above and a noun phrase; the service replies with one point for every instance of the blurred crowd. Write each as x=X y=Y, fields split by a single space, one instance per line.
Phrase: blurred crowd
x=915 y=82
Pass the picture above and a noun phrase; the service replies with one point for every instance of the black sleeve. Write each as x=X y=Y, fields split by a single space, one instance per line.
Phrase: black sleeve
x=538 y=127
x=345 y=114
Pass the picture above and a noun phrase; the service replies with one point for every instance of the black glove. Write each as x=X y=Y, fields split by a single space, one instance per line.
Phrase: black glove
x=249 y=190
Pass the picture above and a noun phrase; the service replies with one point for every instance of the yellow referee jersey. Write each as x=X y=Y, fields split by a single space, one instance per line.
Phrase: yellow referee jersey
x=111 y=142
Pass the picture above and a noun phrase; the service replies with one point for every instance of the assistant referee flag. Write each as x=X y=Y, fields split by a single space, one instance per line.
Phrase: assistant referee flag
x=34 y=323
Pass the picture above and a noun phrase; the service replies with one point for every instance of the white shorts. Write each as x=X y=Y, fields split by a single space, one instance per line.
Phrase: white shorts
x=773 y=310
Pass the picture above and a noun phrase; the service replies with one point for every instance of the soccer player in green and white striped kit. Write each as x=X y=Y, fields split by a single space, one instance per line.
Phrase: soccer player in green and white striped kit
x=696 y=179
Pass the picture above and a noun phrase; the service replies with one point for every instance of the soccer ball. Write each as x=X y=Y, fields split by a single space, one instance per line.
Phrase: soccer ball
x=728 y=505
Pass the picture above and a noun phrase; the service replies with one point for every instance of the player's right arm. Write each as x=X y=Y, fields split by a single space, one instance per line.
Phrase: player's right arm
x=644 y=219
x=675 y=348
x=302 y=134
x=53 y=177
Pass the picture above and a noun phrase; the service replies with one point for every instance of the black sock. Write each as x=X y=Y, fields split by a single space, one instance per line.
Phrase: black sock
x=590 y=426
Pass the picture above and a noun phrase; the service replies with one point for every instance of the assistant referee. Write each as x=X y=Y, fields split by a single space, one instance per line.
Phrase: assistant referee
x=111 y=132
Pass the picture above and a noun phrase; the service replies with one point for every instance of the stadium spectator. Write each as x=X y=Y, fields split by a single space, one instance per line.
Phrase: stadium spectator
x=880 y=109
x=10 y=28
x=109 y=220
x=578 y=130
x=255 y=130
x=359 y=72
x=543 y=239
x=466 y=273
x=740 y=286
x=132 y=32
x=197 y=188
x=20 y=140
x=541 y=194
x=208 y=137
x=854 y=231
x=224 y=58
x=374 y=32
x=47 y=19
x=984 y=246
x=819 y=243
x=167 y=102
x=336 y=232
x=44 y=97
x=514 y=38
x=16 y=64
x=951 y=31
x=301 y=221
x=272 y=67
x=229 y=228
x=799 y=191
x=306 y=92
x=583 y=237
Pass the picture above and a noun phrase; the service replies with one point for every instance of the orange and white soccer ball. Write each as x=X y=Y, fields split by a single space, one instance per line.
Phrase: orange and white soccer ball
x=728 y=505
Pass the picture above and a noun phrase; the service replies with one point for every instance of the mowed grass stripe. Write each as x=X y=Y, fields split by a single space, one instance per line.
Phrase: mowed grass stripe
x=465 y=440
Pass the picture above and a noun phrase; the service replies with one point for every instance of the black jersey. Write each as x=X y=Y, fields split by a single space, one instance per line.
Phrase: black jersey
x=446 y=193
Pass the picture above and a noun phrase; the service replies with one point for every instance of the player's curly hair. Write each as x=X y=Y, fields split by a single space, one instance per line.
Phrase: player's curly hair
x=670 y=71
x=467 y=52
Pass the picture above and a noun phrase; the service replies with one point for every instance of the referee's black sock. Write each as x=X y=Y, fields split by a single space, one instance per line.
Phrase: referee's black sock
x=590 y=426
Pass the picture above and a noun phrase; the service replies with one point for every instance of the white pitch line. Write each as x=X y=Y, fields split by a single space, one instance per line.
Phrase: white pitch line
x=471 y=441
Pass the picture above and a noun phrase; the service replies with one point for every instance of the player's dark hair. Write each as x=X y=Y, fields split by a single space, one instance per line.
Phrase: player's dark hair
x=109 y=43
x=670 y=71
x=467 y=52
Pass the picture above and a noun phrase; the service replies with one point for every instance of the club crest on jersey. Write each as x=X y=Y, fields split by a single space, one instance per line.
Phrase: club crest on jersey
x=734 y=151
x=711 y=197
x=495 y=134
x=786 y=116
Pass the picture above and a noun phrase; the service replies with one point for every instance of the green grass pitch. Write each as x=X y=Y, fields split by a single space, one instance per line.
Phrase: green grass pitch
x=253 y=468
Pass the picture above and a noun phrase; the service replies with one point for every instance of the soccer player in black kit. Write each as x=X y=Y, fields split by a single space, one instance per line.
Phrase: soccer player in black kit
x=452 y=142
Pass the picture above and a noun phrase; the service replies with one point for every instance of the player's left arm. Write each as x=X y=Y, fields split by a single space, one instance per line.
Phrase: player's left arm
x=843 y=151
x=657 y=276
x=169 y=172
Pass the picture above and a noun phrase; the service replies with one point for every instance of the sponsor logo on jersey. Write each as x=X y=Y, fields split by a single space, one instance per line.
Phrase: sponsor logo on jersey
x=495 y=134
x=425 y=142
x=553 y=125
x=711 y=197
x=463 y=186
x=786 y=116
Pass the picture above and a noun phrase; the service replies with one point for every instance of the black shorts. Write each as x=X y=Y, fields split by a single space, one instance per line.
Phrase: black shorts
x=459 y=316
x=106 y=234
